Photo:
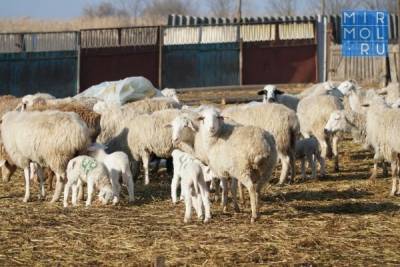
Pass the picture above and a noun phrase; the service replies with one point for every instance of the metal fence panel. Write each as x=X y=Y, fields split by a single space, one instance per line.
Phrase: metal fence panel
x=200 y=65
x=48 y=72
x=115 y=63
x=264 y=64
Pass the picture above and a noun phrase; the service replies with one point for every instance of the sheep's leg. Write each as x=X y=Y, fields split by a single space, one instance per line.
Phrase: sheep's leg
x=81 y=195
x=234 y=185
x=324 y=150
x=248 y=183
x=188 y=205
x=303 y=168
x=27 y=184
x=7 y=170
x=292 y=158
x=241 y=195
x=90 y=189
x=374 y=173
x=285 y=160
x=224 y=195
x=335 y=146
x=313 y=164
x=40 y=174
x=394 y=178
x=128 y=180
x=146 y=161
x=385 y=169
x=205 y=201
x=198 y=205
x=59 y=187
x=214 y=185
x=75 y=197
x=50 y=179
x=67 y=188
x=116 y=187
x=174 y=188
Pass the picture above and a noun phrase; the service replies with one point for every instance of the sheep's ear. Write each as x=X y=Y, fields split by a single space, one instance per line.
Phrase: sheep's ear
x=262 y=92
x=383 y=92
x=192 y=126
x=201 y=118
x=279 y=92
x=365 y=105
x=220 y=117
x=167 y=126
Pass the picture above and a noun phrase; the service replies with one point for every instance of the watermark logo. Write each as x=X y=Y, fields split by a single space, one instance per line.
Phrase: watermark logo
x=365 y=33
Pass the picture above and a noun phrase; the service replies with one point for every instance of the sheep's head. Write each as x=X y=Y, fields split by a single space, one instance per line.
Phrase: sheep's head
x=211 y=121
x=171 y=93
x=337 y=122
x=106 y=194
x=347 y=87
x=270 y=93
x=179 y=125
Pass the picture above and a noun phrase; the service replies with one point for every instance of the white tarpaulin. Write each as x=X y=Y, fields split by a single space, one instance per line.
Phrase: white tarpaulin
x=122 y=91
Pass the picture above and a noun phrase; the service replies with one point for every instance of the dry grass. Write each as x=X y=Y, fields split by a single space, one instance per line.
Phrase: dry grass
x=339 y=220
x=36 y=25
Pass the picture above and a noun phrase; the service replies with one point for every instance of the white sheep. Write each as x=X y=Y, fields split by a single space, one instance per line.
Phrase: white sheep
x=86 y=170
x=277 y=119
x=48 y=138
x=117 y=164
x=246 y=153
x=167 y=93
x=271 y=94
x=193 y=175
x=313 y=113
x=308 y=149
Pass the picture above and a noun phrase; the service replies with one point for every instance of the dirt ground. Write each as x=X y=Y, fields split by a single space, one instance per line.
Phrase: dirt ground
x=339 y=220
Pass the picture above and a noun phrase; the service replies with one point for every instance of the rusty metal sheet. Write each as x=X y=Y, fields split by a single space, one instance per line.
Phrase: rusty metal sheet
x=200 y=65
x=114 y=63
x=47 y=72
x=287 y=62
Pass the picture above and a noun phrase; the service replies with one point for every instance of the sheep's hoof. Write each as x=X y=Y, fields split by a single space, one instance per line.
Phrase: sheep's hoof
x=253 y=220
x=186 y=220
x=25 y=200
x=207 y=220
x=65 y=205
x=236 y=208
x=336 y=169
x=224 y=209
x=280 y=185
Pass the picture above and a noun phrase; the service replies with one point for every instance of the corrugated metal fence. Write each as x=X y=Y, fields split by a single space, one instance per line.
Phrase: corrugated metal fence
x=39 y=62
x=114 y=54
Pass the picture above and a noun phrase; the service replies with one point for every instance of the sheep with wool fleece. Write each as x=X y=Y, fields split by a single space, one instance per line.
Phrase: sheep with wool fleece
x=308 y=149
x=313 y=113
x=85 y=169
x=229 y=152
x=278 y=120
x=49 y=138
x=193 y=175
x=117 y=164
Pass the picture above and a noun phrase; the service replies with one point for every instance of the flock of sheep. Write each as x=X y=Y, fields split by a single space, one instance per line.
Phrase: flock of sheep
x=84 y=141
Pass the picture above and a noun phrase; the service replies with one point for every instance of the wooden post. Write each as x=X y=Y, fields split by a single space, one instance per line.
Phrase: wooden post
x=78 y=62
x=160 y=48
x=398 y=41
x=239 y=16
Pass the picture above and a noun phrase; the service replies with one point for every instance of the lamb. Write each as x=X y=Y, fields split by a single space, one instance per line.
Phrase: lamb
x=313 y=113
x=48 y=138
x=308 y=149
x=277 y=119
x=85 y=169
x=194 y=175
x=247 y=153
x=117 y=164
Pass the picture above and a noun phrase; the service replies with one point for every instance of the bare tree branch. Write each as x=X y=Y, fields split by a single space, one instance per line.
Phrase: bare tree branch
x=221 y=8
x=388 y=5
x=281 y=7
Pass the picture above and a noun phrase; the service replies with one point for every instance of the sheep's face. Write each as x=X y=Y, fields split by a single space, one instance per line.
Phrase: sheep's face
x=179 y=125
x=270 y=93
x=211 y=121
x=347 y=87
x=106 y=194
x=337 y=122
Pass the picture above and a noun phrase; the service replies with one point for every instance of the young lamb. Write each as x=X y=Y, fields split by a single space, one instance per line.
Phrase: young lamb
x=247 y=153
x=193 y=175
x=277 y=119
x=85 y=169
x=308 y=149
x=48 y=138
x=117 y=164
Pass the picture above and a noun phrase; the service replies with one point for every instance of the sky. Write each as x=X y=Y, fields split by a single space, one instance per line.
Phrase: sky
x=66 y=9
